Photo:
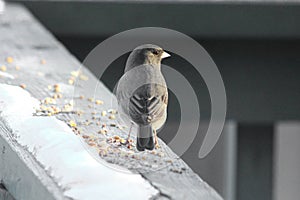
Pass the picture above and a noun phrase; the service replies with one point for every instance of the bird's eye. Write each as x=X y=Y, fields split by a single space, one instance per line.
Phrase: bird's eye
x=155 y=52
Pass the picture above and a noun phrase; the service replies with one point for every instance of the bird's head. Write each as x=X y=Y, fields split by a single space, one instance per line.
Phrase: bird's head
x=146 y=54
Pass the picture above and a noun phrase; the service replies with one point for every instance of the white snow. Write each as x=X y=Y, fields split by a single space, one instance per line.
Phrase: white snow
x=62 y=154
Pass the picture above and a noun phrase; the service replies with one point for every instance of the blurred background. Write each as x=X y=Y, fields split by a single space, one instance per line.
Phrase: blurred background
x=256 y=46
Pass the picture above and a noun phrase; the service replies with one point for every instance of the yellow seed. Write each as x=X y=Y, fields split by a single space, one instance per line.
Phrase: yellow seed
x=83 y=77
x=102 y=131
x=75 y=73
x=17 y=68
x=91 y=99
x=103 y=113
x=112 y=117
x=49 y=87
x=99 y=102
x=9 y=60
x=43 y=61
x=116 y=137
x=57 y=88
x=71 y=82
x=72 y=123
x=3 y=68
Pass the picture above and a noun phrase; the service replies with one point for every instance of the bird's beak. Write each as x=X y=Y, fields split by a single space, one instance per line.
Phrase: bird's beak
x=165 y=55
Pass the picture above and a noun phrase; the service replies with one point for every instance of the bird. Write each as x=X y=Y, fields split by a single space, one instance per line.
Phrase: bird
x=142 y=94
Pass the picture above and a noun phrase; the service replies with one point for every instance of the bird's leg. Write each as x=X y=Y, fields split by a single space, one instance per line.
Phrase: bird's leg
x=128 y=137
x=156 y=140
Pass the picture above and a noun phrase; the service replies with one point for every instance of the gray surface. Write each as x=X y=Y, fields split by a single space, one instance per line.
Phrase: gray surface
x=4 y=194
x=287 y=161
x=27 y=42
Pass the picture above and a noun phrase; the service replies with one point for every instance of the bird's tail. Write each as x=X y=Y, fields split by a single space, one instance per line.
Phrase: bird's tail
x=145 y=138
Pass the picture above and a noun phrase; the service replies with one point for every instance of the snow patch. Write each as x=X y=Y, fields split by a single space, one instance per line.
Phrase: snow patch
x=60 y=151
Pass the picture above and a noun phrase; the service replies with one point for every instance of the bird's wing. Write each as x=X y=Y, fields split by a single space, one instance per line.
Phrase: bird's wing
x=148 y=104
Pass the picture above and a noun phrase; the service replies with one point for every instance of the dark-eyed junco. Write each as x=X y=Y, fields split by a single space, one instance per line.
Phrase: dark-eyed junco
x=142 y=93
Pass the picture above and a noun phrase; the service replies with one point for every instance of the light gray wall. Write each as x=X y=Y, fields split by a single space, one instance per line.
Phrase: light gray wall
x=287 y=161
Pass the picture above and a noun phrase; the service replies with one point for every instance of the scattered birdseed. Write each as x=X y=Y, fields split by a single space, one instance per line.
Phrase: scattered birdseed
x=112 y=117
x=81 y=97
x=113 y=125
x=103 y=152
x=23 y=86
x=9 y=60
x=112 y=111
x=83 y=77
x=99 y=102
x=103 y=113
x=91 y=99
x=49 y=87
x=72 y=123
x=18 y=68
x=92 y=144
x=85 y=136
x=57 y=88
x=71 y=82
x=49 y=100
x=3 y=68
x=102 y=131
x=75 y=73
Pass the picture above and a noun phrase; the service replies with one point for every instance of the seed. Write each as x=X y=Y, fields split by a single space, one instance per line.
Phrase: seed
x=99 y=102
x=49 y=100
x=17 y=68
x=23 y=86
x=116 y=137
x=112 y=117
x=113 y=125
x=102 y=131
x=103 y=152
x=9 y=60
x=112 y=111
x=81 y=97
x=3 y=68
x=123 y=141
x=92 y=144
x=91 y=99
x=103 y=113
x=85 y=136
x=72 y=123
x=71 y=82
x=49 y=87
x=57 y=88
x=43 y=61
x=83 y=77
x=75 y=73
